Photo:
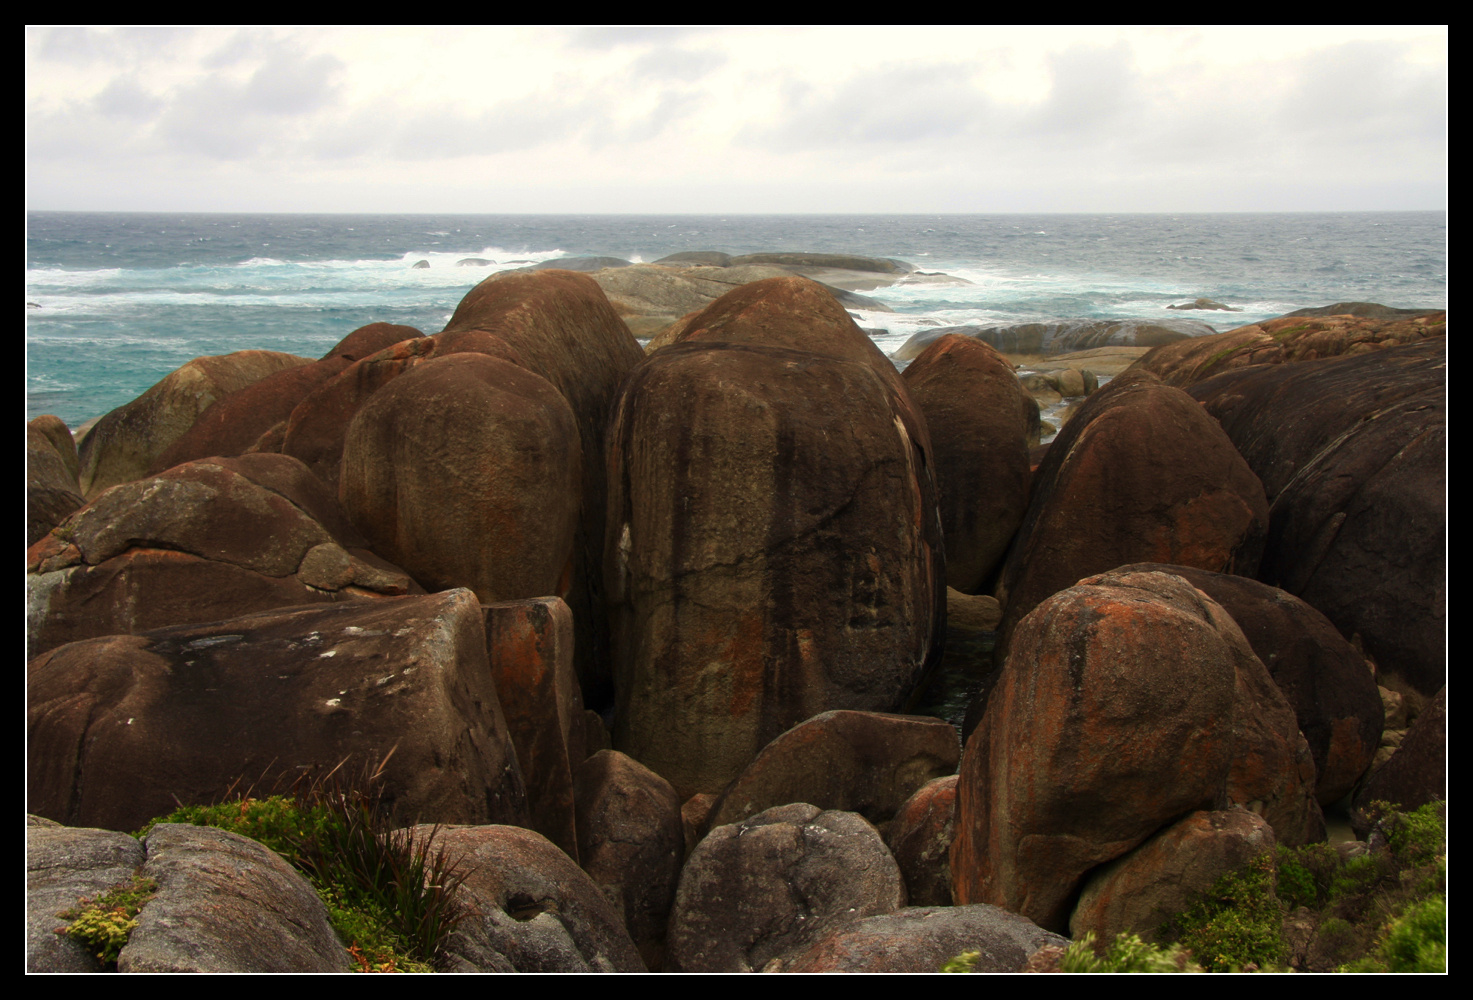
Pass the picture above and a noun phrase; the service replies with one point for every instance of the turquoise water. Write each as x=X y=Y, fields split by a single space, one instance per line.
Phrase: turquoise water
x=115 y=301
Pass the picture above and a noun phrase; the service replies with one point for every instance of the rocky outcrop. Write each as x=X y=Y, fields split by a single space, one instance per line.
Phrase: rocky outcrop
x=1416 y=773
x=1329 y=685
x=561 y=327
x=52 y=491
x=466 y=471
x=222 y=903
x=1141 y=474
x=235 y=422
x=773 y=550
x=1351 y=452
x=978 y=420
x=1126 y=701
x=124 y=728
x=530 y=646
x=125 y=443
x=770 y=887
x=1064 y=335
x=204 y=541
x=227 y=904
x=1286 y=340
x=1206 y=304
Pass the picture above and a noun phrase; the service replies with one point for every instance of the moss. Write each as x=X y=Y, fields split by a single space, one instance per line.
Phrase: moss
x=105 y=924
x=1289 y=331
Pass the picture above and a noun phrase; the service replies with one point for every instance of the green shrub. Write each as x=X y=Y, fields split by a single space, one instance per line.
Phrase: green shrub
x=105 y=923
x=1418 y=941
x=1237 y=923
x=965 y=962
x=1127 y=953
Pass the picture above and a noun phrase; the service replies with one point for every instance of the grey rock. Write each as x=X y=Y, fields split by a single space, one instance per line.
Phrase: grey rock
x=64 y=865
x=227 y=904
x=923 y=938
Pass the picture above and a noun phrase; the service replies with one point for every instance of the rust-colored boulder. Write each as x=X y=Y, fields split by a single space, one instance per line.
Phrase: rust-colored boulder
x=124 y=444
x=234 y=423
x=1351 y=452
x=318 y=424
x=124 y=728
x=561 y=326
x=1141 y=474
x=1167 y=874
x=1327 y=682
x=864 y=762
x=977 y=417
x=1287 y=339
x=772 y=885
x=773 y=552
x=920 y=837
x=465 y=471
x=532 y=908
x=203 y=541
x=1126 y=701
x=51 y=476
x=631 y=840
x=530 y=646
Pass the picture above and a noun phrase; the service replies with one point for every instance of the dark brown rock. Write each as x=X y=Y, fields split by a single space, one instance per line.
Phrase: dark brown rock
x=203 y=541
x=864 y=762
x=1140 y=475
x=238 y=422
x=533 y=909
x=920 y=837
x=773 y=550
x=978 y=420
x=771 y=886
x=1351 y=452
x=922 y=939
x=51 y=476
x=1285 y=340
x=125 y=443
x=632 y=843
x=530 y=646
x=1416 y=773
x=123 y=728
x=1327 y=682
x=562 y=327
x=466 y=471
x=1167 y=874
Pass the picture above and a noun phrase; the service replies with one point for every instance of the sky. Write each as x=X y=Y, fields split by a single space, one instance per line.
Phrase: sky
x=669 y=119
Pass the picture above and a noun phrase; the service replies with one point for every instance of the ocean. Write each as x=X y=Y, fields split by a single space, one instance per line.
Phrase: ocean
x=115 y=301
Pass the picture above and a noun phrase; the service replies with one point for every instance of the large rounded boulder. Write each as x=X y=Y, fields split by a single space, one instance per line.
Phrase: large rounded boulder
x=1140 y=474
x=466 y=471
x=1126 y=702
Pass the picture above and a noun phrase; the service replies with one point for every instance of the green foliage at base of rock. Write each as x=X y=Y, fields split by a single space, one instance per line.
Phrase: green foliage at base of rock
x=105 y=923
x=1127 y=953
x=1237 y=923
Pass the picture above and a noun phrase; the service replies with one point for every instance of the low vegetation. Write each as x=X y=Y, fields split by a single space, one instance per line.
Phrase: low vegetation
x=104 y=923
x=391 y=895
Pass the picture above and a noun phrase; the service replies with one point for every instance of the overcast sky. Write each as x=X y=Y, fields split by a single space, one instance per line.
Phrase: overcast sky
x=727 y=120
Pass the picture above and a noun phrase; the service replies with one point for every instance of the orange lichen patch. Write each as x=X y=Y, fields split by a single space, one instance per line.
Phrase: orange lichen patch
x=51 y=552
x=1203 y=531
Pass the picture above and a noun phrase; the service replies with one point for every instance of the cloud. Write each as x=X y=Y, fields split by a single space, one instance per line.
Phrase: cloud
x=896 y=104
x=615 y=36
x=1091 y=89
x=1367 y=90
x=677 y=64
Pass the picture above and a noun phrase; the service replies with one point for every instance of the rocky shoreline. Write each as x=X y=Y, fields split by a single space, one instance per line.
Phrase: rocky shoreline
x=639 y=624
